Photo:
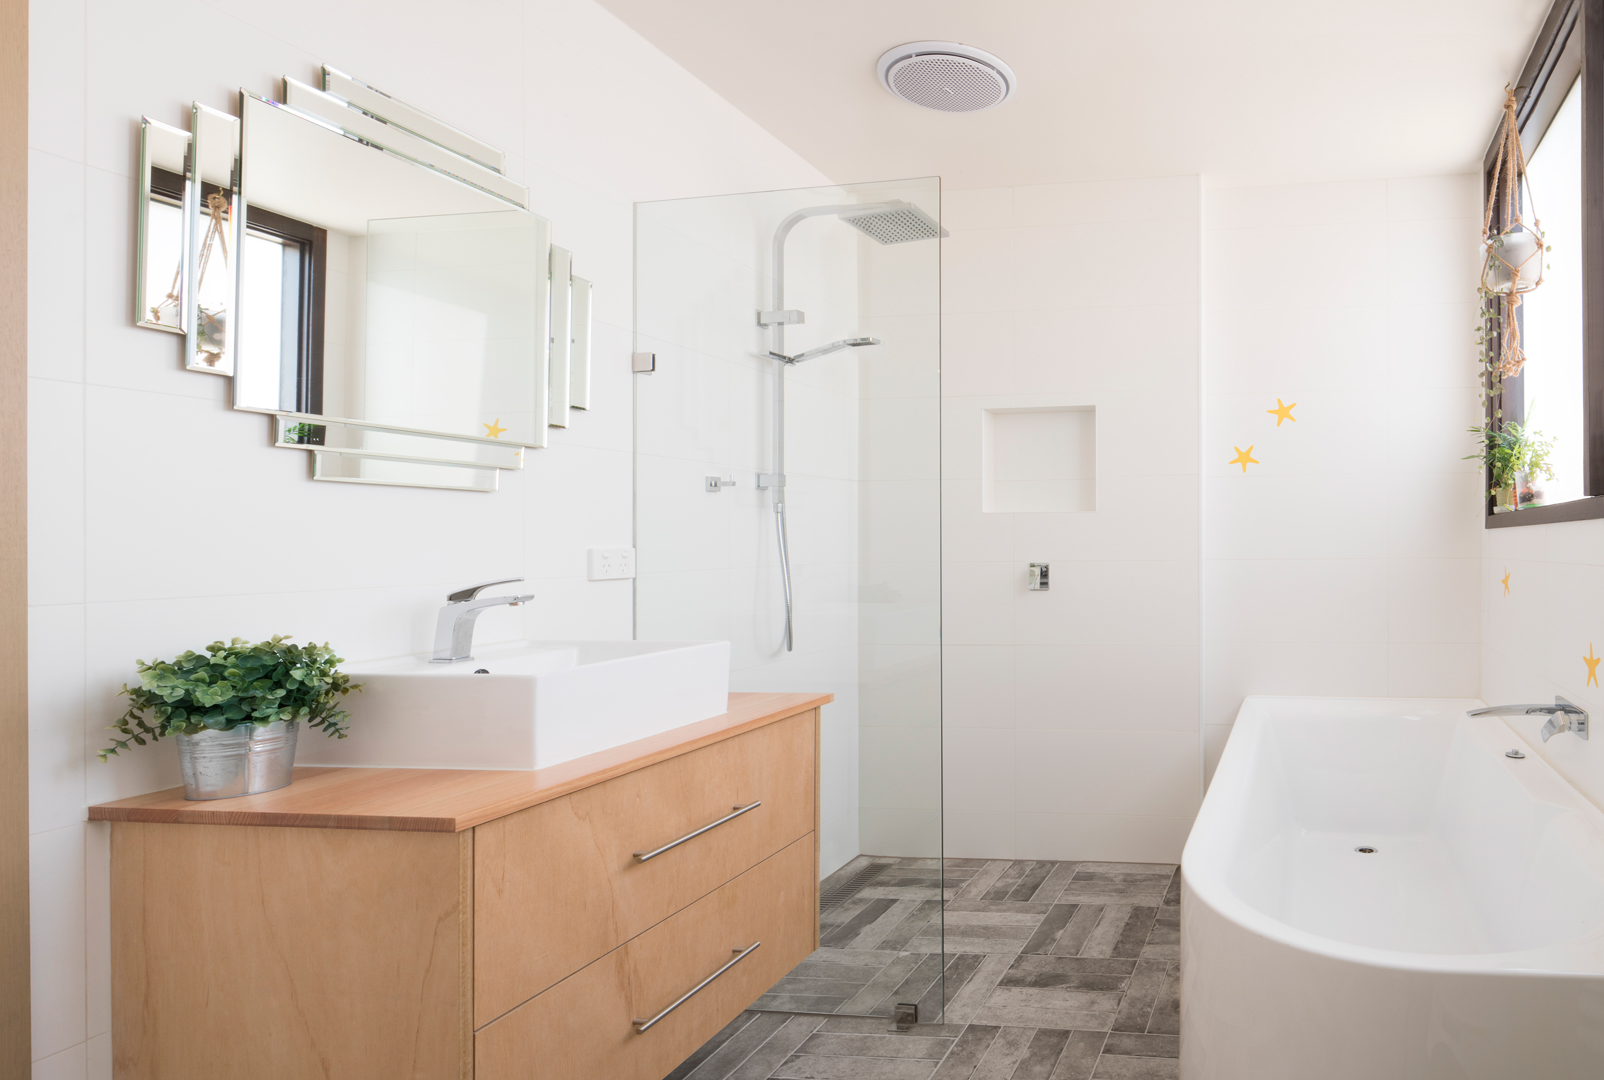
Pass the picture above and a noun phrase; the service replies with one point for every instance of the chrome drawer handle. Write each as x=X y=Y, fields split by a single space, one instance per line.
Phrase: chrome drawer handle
x=645 y=1025
x=642 y=856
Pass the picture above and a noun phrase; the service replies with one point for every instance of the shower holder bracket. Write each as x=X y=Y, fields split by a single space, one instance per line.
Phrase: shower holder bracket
x=785 y=317
x=767 y=480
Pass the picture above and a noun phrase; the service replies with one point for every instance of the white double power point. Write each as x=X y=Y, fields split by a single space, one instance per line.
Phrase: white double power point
x=612 y=564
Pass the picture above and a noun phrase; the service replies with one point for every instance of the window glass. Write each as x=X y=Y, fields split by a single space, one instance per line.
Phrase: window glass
x=1551 y=332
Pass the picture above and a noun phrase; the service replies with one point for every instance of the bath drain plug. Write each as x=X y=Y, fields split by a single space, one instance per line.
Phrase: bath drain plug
x=1365 y=850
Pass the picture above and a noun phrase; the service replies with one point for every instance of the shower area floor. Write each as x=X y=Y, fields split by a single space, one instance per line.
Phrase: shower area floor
x=1054 y=971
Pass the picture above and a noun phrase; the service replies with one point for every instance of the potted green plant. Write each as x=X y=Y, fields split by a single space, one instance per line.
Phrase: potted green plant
x=1514 y=456
x=235 y=710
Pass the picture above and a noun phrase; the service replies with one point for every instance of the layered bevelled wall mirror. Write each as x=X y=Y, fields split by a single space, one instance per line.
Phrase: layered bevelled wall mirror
x=370 y=277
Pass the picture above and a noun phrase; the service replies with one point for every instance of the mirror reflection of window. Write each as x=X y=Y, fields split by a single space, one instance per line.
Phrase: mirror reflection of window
x=164 y=242
x=1551 y=328
x=282 y=301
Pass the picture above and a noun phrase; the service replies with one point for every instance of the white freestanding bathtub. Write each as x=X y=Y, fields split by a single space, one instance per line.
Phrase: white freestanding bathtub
x=1469 y=944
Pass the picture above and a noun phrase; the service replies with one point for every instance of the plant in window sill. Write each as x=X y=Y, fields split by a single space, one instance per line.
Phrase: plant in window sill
x=1514 y=456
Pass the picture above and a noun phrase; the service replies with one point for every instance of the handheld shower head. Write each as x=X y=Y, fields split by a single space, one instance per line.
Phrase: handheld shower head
x=825 y=350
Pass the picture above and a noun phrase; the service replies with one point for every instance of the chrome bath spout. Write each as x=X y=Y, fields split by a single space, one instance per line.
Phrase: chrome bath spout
x=1562 y=716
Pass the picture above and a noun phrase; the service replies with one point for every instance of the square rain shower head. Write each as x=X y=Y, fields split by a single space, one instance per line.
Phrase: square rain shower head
x=897 y=225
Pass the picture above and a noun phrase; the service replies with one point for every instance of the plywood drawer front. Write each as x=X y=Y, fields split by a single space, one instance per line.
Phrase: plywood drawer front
x=583 y=1026
x=558 y=885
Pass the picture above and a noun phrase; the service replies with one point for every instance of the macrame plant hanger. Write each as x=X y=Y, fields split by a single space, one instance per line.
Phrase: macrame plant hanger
x=210 y=330
x=1509 y=269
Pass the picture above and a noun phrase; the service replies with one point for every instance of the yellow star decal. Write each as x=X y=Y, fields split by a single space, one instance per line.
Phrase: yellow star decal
x=1506 y=581
x=494 y=430
x=1244 y=458
x=1592 y=665
x=1283 y=412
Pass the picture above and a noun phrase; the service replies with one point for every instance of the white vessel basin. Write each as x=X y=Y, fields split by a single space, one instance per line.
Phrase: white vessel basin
x=539 y=704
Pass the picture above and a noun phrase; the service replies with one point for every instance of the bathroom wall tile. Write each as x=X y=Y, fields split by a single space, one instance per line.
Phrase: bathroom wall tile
x=1162 y=255
x=1429 y=515
x=55 y=492
x=979 y=834
x=1113 y=603
x=56 y=929
x=1112 y=837
x=1087 y=687
x=980 y=355
x=977 y=687
x=1154 y=773
x=906 y=769
x=1345 y=202
x=56 y=259
x=69 y=1064
x=55 y=717
x=977 y=208
x=1447 y=671
x=99 y=1057
x=1301 y=348
x=968 y=534
x=1233 y=670
x=1295 y=600
x=1144 y=518
x=979 y=271
x=977 y=603
x=1215 y=737
x=1429 y=260
x=1418 y=427
x=981 y=769
x=1431 y=345
x=1434 y=600
x=1333 y=433
x=1085 y=349
x=1314 y=263
x=1417 y=198
x=97 y=943
x=55 y=47
x=1165 y=198
x=1282 y=515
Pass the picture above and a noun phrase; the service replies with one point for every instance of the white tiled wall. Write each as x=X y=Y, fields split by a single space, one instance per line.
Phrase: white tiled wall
x=161 y=520
x=1345 y=561
x=1071 y=716
x=1535 y=636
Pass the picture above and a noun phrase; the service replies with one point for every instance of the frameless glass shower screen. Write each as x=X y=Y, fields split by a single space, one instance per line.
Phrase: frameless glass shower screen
x=787 y=499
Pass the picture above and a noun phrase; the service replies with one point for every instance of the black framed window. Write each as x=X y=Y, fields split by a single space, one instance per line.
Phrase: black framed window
x=1560 y=108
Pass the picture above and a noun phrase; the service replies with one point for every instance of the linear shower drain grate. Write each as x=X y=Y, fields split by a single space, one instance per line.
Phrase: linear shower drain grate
x=849 y=888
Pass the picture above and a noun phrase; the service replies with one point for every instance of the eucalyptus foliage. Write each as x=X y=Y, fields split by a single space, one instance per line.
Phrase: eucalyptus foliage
x=234 y=684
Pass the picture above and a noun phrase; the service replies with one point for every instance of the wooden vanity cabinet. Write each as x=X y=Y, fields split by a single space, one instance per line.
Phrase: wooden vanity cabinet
x=433 y=924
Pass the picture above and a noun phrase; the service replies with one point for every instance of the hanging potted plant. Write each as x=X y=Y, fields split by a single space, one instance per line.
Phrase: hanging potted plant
x=1513 y=254
x=1514 y=456
x=235 y=710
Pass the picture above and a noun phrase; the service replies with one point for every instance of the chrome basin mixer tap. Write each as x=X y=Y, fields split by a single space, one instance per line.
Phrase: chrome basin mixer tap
x=453 y=631
x=1562 y=716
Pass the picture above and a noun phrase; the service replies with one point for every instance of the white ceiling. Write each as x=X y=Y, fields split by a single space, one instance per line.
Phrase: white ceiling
x=1240 y=91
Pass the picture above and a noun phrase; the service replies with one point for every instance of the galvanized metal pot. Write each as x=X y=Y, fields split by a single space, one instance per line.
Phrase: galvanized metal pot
x=244 y=761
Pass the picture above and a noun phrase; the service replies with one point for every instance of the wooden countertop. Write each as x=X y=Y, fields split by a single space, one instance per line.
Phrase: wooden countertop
x=445 y=800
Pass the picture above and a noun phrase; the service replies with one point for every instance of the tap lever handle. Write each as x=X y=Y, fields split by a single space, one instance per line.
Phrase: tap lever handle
x=472 y=591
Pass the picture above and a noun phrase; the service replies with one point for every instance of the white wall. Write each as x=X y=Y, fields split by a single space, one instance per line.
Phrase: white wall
x=161 y=520
x=1345 y=562
x=1534 y=637
x=1071 y=716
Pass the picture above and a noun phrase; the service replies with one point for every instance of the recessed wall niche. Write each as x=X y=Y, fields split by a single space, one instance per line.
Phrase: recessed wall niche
x=1038 y=461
